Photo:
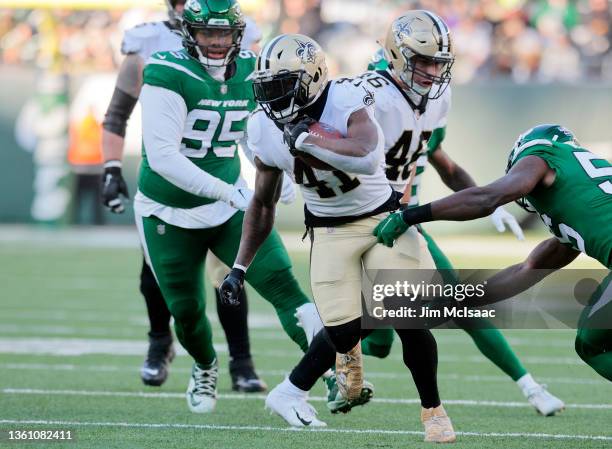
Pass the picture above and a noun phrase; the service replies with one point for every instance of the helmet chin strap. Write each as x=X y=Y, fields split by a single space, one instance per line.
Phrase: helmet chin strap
x=209 y=61
x=413 y=92
x=416 y=97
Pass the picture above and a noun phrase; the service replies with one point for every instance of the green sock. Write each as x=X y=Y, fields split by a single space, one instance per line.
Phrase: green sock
x=494 y=346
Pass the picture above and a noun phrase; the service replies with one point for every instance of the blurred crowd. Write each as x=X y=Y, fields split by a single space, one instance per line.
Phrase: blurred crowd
x=522 y=40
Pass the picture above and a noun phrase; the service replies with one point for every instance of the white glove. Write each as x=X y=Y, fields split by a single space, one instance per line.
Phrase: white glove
x=288 y=192
x=240 y=198
x=501 y=217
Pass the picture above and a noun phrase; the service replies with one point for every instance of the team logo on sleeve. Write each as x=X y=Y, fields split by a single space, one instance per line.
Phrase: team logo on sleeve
x=368 y=99
x=306 y=51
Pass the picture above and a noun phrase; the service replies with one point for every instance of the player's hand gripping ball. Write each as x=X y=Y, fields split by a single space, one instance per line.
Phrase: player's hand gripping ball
x=317 y=129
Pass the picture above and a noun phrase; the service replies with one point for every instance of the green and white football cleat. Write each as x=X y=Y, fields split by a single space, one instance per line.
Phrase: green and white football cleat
x=202 y=390
x=338 y=403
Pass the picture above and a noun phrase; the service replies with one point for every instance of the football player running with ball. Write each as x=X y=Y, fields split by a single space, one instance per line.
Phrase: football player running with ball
x=345 y=198
x=570 y=188
x=191 y=197
x=413 y=100
x=139 y=43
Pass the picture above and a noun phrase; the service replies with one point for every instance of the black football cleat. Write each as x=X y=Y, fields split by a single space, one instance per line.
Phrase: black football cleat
x=154 y=370
x=244 y=377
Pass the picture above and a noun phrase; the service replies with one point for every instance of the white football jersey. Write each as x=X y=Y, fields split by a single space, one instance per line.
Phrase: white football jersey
x=326 y=193
x=405 y=130
x=152 y=37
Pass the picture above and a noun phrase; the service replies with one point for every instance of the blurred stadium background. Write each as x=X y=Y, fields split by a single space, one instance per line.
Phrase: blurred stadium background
x=72 y=324
x=518 y=63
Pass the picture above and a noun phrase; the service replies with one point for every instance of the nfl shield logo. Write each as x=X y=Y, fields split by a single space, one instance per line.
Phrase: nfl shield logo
x=223 y=89
x=161 y=229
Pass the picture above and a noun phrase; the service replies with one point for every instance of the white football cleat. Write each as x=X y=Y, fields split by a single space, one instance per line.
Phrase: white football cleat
x=202 y=390
x=545 y=403
x=292 y=408
x=309 y=320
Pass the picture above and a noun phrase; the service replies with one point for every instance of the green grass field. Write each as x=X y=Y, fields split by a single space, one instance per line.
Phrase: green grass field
x=72 y=338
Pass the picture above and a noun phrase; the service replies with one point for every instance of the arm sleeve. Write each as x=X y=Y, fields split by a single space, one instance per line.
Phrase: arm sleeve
x=163 y=117
x=364 y=165
x=244 y=144
x=435 y=140
x=255 y=143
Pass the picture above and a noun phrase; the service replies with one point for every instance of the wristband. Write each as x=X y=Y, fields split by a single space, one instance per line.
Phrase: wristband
x=415 y=215
x=240 y=267
x=299 y=142
x=113 y=163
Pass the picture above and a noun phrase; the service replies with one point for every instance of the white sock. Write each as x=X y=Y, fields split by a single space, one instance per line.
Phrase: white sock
x=291 y=389
x=526 y=383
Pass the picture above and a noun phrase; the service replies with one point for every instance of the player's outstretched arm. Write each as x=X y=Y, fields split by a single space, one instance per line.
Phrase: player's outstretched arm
x=546 y=258
x=125 y=96
x=457 y=178
x=256 y=226
x=359 y=152
x=468 y=204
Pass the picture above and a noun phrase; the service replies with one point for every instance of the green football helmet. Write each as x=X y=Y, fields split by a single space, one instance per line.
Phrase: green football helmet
x=215 y=21
x=538 y=135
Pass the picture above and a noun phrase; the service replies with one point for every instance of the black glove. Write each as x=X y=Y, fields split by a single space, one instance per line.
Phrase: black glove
x=292 y=131
x=230 y=288
x=113 y=186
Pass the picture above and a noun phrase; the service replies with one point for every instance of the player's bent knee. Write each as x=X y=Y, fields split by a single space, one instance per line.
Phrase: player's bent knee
x=345 y=336
x=281 y=288
x=185 y=311
x=584 y=349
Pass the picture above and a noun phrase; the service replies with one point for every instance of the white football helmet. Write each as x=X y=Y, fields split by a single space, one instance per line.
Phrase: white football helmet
x=290 y=75
x=421 y=35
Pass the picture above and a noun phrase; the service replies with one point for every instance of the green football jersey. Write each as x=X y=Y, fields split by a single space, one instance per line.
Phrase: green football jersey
x=216 y=121
x=577 y=207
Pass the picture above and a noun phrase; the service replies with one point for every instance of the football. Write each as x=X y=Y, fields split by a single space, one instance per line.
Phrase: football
x=320 y=130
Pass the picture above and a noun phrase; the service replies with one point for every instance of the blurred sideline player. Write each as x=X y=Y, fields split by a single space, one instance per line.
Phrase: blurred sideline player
x=413 y=99
x=191 y=196
x=138 y=45
x=570 y=188
x=343 y=204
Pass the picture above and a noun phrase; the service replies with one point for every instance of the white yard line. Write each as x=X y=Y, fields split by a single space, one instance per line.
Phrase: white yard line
x=268 y=321
x=84 y=346
x=291 y=429
x=260 y=328
x=370 y=374
x=143 y=394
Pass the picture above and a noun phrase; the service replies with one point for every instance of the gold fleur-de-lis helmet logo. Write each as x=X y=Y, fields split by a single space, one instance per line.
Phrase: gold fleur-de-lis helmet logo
x=306 y=51
x=402 y=31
